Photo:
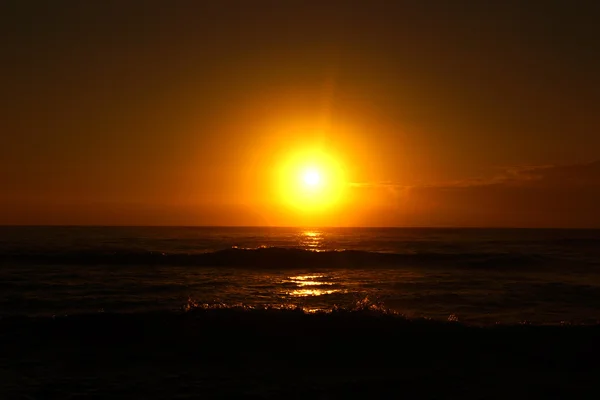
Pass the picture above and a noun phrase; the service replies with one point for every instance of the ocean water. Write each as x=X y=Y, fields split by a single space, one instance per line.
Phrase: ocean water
x=477 y=276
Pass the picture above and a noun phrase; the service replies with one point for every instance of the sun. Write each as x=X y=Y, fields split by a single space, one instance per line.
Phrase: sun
x=311 y=181
x=311 y=177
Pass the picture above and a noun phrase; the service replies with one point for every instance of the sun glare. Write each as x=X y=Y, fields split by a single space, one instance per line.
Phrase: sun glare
x=311 y=181
x=311 y=177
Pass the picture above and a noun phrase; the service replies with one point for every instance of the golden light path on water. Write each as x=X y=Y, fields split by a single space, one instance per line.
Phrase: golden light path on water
x=310 y=284
x=313 y=288
x=311 y=240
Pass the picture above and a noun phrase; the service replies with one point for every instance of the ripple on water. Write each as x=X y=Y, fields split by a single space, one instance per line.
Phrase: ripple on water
x=310 y=285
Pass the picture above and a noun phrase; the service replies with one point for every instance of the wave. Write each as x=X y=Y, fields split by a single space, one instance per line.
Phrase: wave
x=239 y=353
x=281 y=258
x=362 y=310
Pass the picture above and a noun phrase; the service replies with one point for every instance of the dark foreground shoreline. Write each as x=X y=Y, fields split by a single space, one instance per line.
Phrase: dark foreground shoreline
x=260 y=354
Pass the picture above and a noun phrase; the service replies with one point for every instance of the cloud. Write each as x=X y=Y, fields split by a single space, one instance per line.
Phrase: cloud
x=566 y=175
x=551 y=176
x=382 y=184
x=520 y=196
x=578 y=175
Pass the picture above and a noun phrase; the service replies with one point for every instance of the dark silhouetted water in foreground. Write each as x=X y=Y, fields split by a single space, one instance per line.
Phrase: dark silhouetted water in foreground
x=261 y=313
x=479 y=276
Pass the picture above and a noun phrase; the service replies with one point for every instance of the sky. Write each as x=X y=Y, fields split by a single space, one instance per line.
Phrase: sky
x=462 y=113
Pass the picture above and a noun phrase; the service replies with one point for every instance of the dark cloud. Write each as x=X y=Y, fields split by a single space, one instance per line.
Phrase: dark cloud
x=525 y=196
x=550 y=176
x=582 y=175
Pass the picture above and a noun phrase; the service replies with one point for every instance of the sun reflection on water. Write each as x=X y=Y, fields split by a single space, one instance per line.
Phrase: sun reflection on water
x=310 y=285
x=310 y=292
x=305 y=277
x=311 y=240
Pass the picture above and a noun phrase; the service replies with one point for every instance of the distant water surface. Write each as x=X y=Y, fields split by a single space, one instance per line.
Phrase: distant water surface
x=481 y=276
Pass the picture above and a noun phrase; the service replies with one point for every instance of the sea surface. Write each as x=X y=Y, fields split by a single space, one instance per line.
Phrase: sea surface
x=476 y=276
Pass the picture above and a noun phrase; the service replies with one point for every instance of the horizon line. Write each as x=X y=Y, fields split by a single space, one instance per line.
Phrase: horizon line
x=291 y=227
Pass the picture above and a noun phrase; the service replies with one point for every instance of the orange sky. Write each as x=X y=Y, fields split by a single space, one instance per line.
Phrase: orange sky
x=157 y=113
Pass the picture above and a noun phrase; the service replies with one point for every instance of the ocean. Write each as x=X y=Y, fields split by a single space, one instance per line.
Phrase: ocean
x=475 y=276
x=289 y=313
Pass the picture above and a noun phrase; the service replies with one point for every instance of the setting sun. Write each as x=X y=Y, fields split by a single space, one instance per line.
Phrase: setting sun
x=311 y=177
x=311 y=180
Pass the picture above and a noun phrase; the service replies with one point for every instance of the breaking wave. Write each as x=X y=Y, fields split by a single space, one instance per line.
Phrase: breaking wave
x=280 y=258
